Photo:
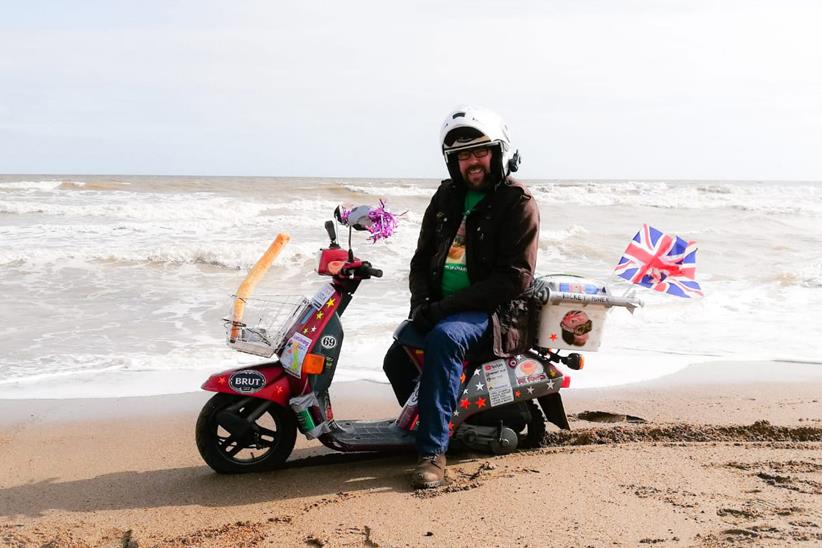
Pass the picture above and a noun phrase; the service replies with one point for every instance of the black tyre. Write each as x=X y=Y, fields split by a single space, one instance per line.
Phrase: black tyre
x=535 y=429
x=232 y=443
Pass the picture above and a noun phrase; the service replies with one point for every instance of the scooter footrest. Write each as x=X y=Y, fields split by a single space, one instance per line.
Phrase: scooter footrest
x=372 y=435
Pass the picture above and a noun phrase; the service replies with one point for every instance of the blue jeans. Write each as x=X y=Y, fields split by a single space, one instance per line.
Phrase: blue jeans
x=461 y=336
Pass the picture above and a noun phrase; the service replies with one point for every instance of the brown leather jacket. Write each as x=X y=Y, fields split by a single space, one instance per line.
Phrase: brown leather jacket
x=501 y=242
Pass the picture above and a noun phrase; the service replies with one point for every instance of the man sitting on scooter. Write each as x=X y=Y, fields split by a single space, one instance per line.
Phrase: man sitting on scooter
x=476 y=251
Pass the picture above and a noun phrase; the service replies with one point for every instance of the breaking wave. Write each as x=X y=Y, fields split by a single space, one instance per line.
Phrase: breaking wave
x=810 y=277
x=803 y=199
x=387 y=191
x=37 y=185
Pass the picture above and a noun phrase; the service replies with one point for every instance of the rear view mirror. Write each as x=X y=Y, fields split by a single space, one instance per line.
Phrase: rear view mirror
x=356 y=218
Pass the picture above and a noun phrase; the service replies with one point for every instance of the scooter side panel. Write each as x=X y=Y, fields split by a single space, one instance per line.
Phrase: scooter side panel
x=267 y=381
x=505 y=381
x=329 y=343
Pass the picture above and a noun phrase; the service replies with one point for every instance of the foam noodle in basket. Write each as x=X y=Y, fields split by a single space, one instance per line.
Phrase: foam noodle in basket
x=254 y=276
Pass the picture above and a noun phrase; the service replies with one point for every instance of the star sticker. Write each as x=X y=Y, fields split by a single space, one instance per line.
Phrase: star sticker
x=551 y=383
x=479 y=386
x=518 y=393
x=313 y=328
x=279 y=389
x=451 y=426
x=221 y=380
x=330 y=303
x=464 y=392
x=480 y=402
x=320 y=315
x=462 y=378
x=456 y=412
x=464 y=404
x=553 y=337
x=305 y=331
x=530 y=389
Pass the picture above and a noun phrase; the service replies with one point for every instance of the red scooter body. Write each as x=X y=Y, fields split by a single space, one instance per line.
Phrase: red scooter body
x=273 y=385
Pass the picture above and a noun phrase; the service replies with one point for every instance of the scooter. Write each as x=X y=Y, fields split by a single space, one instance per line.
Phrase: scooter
x=251 y=424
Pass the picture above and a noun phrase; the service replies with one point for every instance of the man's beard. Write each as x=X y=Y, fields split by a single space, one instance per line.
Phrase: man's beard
x=482 y=185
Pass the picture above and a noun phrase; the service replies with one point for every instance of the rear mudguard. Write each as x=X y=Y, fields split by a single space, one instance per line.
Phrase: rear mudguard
x=265 y=381
x=554 y=410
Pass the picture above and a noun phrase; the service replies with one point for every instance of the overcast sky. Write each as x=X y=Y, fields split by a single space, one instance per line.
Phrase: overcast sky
x=591 y=89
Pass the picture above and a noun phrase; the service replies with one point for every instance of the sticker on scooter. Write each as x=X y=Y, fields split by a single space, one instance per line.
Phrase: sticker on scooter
x=328 y=342
x=528 y=368
x=294 y=354
x=247 y=381
x=531 y=379
x=326 y=292
x=529 y=372
x=498 y=383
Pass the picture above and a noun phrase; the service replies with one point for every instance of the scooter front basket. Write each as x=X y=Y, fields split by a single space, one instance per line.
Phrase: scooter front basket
x=260 y=325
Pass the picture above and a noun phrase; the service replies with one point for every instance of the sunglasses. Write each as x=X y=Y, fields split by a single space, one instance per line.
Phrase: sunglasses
x=475 y=152
x=580 y=329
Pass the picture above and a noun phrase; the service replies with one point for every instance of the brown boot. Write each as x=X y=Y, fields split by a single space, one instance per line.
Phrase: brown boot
x=430 y=472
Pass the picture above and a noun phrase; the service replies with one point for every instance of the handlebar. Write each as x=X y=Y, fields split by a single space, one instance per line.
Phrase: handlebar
x=362 y=269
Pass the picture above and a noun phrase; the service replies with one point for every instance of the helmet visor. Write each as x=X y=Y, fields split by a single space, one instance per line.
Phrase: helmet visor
x=464 y=151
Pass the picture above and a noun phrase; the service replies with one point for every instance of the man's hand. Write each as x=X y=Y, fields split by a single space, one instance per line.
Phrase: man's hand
x=416 y=301
x=426 y=316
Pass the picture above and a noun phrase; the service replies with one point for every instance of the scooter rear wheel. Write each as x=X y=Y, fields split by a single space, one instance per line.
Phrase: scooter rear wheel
x=231 y=443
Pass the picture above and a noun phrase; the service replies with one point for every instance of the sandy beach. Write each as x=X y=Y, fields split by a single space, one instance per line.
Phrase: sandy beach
x=715 y=455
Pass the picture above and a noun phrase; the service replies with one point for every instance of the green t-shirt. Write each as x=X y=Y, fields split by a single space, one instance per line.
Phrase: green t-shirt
x=455 y=273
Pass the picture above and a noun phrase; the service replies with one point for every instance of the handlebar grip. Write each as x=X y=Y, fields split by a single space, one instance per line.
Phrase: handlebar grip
x=376 y=272
x=332 y=232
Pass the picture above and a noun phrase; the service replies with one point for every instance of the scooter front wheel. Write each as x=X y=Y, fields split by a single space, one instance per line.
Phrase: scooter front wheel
x=239 y=434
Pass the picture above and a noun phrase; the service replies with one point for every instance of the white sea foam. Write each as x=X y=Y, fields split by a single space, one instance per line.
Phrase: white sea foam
x=126 y=374
x=770 y=198
x=139 y=207
x=391 y=191
x=808 y=276
x=36 y=185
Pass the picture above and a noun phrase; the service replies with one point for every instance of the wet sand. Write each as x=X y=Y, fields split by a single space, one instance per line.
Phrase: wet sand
x=716 y=455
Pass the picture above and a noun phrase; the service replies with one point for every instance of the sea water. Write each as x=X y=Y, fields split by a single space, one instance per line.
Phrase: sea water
x=118 y=286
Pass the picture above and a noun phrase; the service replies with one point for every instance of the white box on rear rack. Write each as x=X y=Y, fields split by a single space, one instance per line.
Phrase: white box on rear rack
x=574 y=314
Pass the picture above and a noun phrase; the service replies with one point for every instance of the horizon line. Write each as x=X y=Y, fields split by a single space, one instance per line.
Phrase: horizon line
x=331 y=177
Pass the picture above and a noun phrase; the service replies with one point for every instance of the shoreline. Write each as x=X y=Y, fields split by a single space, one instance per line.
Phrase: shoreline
x=44 y=410
x=723 y=457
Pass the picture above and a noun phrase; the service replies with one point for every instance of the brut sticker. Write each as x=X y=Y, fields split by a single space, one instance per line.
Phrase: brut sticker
x=247 y=381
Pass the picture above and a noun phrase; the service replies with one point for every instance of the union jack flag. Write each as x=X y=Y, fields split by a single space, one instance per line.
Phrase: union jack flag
x=660 y=261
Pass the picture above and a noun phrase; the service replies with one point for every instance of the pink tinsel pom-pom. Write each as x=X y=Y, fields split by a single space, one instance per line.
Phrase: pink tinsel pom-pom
x=384 y=223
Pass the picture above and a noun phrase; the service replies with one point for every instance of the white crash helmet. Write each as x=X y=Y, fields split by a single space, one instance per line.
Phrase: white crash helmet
x=468 y=127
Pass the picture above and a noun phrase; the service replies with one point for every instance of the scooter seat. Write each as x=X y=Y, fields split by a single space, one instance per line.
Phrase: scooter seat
x=407 y=334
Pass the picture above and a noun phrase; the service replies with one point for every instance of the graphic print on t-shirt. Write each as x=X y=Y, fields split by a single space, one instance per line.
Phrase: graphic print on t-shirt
x=456 y=254
x=455 y=272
